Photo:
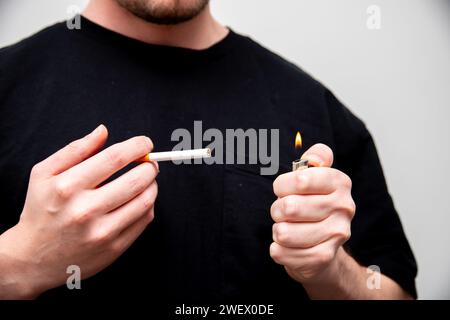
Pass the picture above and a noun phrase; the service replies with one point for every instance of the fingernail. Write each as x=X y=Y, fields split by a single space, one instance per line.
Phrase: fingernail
x=156 y=164
x=149 y=142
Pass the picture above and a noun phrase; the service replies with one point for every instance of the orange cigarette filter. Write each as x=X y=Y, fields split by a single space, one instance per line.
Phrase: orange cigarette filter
x=145 y=158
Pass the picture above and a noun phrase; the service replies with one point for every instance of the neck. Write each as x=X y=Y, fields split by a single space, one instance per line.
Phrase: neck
x=199 y=33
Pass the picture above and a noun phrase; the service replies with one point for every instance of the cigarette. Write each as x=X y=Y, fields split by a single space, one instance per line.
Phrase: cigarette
x=300 y=165
x=177 y=155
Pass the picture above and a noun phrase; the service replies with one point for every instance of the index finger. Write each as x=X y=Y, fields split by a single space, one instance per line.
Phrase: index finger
x=320 y=181
x=93 y=171
x=73 y=153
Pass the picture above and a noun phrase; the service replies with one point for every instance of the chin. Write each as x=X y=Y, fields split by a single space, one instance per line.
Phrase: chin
x=164 y=11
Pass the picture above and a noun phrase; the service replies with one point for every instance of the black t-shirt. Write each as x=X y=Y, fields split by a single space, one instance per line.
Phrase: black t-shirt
x=212 y=230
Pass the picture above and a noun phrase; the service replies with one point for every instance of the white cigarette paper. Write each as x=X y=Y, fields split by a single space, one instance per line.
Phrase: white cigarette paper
x=179 y=155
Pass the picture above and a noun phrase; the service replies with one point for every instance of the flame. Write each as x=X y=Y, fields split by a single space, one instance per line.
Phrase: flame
x=298 y=140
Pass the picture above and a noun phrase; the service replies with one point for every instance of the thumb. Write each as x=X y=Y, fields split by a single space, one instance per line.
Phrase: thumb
x=319 y=155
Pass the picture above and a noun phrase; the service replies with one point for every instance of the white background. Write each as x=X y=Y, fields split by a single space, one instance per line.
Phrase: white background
x=397 y=79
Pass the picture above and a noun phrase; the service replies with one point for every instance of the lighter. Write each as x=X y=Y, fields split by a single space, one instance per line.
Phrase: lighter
x=299 y=165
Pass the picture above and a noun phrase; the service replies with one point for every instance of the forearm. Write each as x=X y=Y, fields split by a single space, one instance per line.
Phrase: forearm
x=346 y=279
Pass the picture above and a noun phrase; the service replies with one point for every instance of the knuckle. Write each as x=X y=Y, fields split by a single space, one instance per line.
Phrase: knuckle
x=143 y=144
x=116 y=247
x=148 y=171
x=347 y=234
x=83 y=215
x=335 y=178
x=324 y=257
x=114 y=158
x=36 y=170
x=301 y=181
x=154 y=188
x=275 y=232
x=100 y=237
x=275 y=185
x=150 y=216
x=281 y=233
x=275 y=252
x=138 y=184
x=352 y=208
x=150 y=196
x=343 y=233
x=308 y=275
x=324 y=205
x=147 y=202
x=274 y=212
x=76 y=147
x=289 y=206
x=80 y=218
x=347 y=207
x=345 y=180
x=63 y=188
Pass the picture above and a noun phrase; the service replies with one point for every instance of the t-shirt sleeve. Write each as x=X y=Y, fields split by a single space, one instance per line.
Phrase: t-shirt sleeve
x=377 y=233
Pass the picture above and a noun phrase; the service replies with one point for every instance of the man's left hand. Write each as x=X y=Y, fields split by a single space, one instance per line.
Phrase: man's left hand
x=312 y=218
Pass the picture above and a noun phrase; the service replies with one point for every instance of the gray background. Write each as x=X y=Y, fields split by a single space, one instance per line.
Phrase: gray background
x=397 y=79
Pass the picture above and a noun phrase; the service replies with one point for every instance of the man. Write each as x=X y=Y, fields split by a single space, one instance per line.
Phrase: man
x=206 y=233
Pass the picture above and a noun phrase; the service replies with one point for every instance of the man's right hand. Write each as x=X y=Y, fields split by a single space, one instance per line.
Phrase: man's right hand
x=69 y=219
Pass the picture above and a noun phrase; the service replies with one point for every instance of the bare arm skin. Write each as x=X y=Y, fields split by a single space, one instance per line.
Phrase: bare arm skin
x=346 y=279
x=312 y=218
x=68 y=219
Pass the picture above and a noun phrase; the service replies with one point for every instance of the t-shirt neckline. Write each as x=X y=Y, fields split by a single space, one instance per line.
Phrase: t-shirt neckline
x=90 y=28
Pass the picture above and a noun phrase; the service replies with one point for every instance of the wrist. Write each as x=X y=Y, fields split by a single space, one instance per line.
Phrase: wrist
x=17 y=288
x=329 y=281
x=17 y=275
x=332 y=275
